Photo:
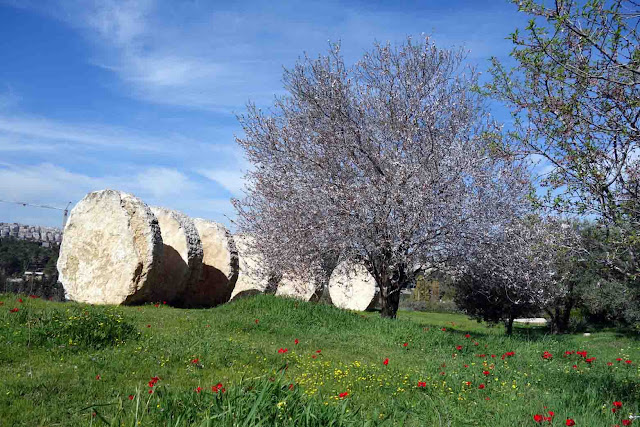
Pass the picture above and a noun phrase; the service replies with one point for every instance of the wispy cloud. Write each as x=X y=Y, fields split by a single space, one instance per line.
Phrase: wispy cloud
x=216 y=56
x=232 y=180
x=49 y=131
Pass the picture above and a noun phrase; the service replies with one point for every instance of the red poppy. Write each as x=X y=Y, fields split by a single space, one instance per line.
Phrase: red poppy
x=14 y=310
x=547 y=355
x=619 y=359
x=314 y=356
x=493 y=355
x=296 y=341
x=475 y=343
x=198 y=389
x=609 y=364
x=459 y=347
x=148 y=326
x=290 y=386
x=422 y=384
x=626 y=422
x=481 y=386
x=156 y=305
x=318 y=351
x=283 y=350
x=538 y=418
x=589 y=360
x=551 y=414
x=164 y=302
x=575 y=366
x=628 y=362
x=343 y=395
x=405 y=344
x=256 y=321
x=195 y=361
x=467 y=336
x=98 y=377
x=150 y=391
x=466 y=366
x=468 y=383
x=19 y=299
x=386 y=361
x=570 y=422
x=486 y=373
x=131 y=397
x=617 y=404
x=443 y=329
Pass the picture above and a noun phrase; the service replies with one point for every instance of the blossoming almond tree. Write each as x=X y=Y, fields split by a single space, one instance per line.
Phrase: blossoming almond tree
x=389 y=163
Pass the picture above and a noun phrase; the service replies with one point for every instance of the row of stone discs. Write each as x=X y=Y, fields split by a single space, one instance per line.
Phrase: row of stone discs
x=116 y=250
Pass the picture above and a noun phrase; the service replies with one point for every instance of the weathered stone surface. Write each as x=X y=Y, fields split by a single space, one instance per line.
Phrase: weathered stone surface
x=219 y=266
x=295 y=287
x=182 y=254
x=351 y=286
x=111 y=251
x=251 y=278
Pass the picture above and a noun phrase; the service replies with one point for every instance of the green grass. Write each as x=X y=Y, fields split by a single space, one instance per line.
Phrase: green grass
x=51 y=355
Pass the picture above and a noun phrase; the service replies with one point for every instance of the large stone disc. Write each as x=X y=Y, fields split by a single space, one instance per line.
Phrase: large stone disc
x=111 y=251
x=182 y=254
x=295 y=287
x=251 y=278
x=219 y=266
x=351 y=286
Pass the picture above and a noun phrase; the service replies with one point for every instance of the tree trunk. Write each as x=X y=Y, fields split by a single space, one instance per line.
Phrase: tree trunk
x=389 y=301
x=509 y=325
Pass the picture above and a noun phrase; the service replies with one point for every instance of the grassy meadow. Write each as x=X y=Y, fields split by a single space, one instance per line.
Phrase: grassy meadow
x=277 y=362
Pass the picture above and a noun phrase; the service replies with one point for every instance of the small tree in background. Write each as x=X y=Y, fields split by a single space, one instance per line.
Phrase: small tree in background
x=391 y=162
x=520 y=273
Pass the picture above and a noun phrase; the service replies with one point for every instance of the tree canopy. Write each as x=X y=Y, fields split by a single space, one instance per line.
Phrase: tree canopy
x=391 y=162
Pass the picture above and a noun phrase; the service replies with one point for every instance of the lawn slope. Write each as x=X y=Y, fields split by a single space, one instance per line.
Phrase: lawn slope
x=283 y=362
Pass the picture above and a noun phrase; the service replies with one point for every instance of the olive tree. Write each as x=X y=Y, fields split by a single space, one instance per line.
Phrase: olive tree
x=390 y=162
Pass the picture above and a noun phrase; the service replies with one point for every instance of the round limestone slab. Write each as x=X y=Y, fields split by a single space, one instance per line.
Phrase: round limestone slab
x=111 y=251
x=219 y=266
x=295 y=287
x=251 y=278
x=182 y=253
x=351 y=286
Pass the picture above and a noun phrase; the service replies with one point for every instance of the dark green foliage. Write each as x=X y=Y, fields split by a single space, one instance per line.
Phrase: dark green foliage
x=482 y=300
x=17 y=256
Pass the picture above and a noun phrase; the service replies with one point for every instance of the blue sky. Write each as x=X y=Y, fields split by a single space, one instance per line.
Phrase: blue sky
x=142 y=95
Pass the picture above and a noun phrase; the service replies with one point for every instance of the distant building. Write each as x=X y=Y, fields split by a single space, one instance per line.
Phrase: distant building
x=34 y=233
